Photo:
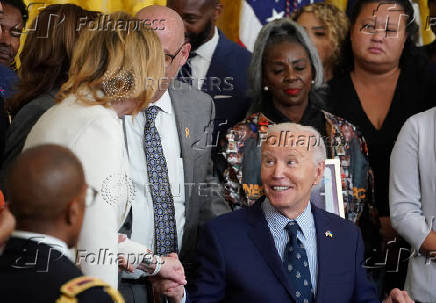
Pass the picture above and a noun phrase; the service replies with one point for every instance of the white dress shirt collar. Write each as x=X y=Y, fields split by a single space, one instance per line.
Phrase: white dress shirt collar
x=54 y=242
x=164 y=103
x=278 y=221
x=207 y=49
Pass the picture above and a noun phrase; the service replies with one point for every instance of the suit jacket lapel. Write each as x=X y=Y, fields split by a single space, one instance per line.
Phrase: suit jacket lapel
x=190 y=134
x=325 y=245
x=263 y=240
x=184 y=129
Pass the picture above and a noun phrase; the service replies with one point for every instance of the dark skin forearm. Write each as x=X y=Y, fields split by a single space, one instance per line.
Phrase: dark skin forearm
x=429 y=244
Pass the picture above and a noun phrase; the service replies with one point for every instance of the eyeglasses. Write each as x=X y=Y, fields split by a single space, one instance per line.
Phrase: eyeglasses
x=91 y=195
x=170 y=58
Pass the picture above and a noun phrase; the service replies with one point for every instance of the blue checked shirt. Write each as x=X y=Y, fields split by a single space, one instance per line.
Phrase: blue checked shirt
x=277 y=223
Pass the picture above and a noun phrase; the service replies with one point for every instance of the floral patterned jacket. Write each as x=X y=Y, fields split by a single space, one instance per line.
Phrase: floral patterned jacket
x=241 y=150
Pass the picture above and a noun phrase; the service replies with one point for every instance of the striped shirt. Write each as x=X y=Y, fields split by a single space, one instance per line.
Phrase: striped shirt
x=306 y=234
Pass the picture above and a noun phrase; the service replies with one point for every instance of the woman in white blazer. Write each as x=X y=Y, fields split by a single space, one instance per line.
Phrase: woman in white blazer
x=107 y=79
x=413 y=201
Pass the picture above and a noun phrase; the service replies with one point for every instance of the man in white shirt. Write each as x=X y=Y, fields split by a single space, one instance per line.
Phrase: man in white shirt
x=216 y=65
x=47 y=190
x=184 y=126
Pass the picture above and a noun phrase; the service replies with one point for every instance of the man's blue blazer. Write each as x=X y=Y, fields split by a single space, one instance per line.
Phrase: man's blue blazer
x=226 y=82
x=238 y=261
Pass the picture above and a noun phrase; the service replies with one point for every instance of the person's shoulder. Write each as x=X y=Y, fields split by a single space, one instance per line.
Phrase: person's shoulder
x=233 y=45
x=183 y=92
x=238 y=52
x=429 y=115
x=35 y=107
x=88 y=289
x=338 y=122
x=425 y=119
x=337 y=223
x=234 y=221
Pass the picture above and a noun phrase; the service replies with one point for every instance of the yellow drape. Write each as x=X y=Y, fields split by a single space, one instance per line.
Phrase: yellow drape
x=228 y=21
x=106 y=6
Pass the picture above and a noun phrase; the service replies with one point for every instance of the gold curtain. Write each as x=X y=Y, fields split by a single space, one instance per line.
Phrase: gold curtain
x=229 y=19
x=106 y=6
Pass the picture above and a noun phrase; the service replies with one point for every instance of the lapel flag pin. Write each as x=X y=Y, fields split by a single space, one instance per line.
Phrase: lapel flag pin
x=329 y=234
x=187 y=132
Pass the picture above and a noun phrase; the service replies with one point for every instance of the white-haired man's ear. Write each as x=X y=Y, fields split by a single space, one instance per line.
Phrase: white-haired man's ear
x=319 y=172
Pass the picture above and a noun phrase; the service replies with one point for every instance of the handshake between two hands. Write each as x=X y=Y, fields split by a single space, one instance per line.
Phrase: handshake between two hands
x=170 y=278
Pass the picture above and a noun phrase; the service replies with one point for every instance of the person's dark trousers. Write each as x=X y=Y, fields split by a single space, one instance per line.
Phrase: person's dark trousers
x=136 y=290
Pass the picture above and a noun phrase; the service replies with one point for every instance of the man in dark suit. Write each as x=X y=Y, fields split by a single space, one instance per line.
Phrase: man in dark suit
x=216 y=65
x=47 y=191
x=283 y=249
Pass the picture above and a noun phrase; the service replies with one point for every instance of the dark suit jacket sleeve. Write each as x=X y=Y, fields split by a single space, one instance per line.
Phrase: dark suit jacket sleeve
x=21 y=126
x=209 y=284
x=364 y=291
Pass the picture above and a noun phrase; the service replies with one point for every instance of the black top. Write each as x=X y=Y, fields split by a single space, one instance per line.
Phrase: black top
x=20 y=128
x=4 y=124
x=413 y=94
x=312 y=116
x=34 y=272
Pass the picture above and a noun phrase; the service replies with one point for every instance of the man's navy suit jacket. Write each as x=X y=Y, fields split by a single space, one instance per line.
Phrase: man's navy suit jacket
x=238 y=261
x=226 y=82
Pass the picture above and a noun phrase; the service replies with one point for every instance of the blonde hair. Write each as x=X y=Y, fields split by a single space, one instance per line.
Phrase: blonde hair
x=335 y=20
x=122 y=62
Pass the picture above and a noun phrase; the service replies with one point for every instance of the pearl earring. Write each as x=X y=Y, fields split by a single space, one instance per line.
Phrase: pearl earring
x=313 y=81
x=265 y=88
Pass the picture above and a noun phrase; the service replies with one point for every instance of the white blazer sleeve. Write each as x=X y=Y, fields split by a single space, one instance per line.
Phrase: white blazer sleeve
x=404 y=187
x=100 y=148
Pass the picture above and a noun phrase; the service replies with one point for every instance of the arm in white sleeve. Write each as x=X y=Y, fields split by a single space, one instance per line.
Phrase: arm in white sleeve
x=100 y=149
x=404 y=187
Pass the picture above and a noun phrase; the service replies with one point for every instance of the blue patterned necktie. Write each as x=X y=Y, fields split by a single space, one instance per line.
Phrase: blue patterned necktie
x=165 y=233
x=297 y=265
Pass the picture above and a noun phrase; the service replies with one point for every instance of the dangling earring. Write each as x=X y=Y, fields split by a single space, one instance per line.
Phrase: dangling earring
x=313 y=81
x=265 y=88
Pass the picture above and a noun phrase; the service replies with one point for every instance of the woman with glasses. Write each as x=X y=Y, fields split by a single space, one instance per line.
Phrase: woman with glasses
x=103 y=85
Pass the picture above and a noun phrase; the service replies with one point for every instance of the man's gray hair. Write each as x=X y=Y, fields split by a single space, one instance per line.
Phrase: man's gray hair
x=318 y=148
x=277 y=31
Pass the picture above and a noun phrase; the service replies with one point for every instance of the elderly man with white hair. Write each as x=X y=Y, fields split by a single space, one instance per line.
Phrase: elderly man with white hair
x=284 y=249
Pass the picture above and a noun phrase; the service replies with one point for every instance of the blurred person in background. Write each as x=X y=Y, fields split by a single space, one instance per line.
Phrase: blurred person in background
x=14 y=19
x=45 y=61
x=327 y=27
x=216 y=65
x=430 y=49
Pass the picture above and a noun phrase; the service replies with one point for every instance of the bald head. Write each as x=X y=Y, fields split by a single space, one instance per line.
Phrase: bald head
x=42 y=182
x=174 y=28
x=172 y=38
